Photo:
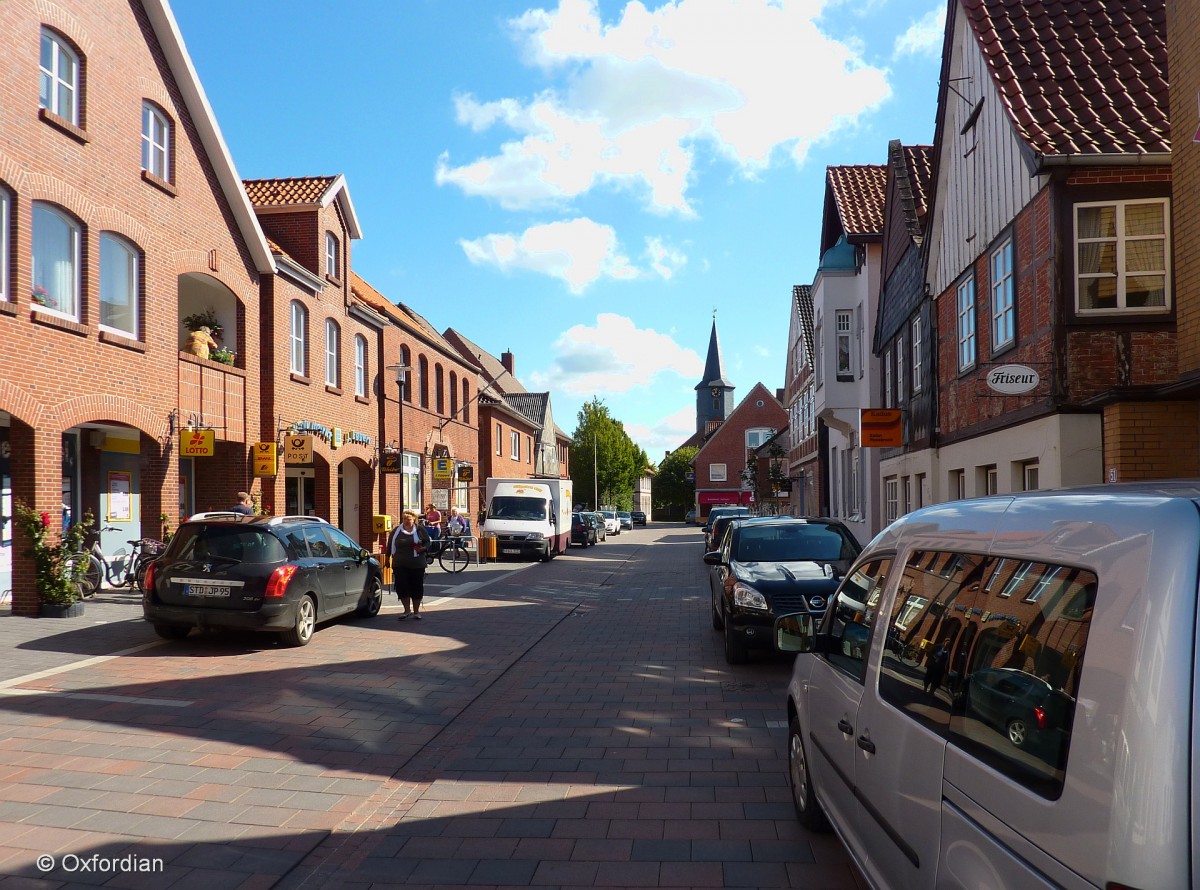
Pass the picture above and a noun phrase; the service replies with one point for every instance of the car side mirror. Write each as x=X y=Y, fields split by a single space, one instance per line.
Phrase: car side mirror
x=363 y=554
x=795 y=633
x=713 y=558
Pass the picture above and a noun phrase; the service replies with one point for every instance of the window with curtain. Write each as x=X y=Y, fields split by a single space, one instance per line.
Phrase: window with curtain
x=1003 y=309
x=118 y=285
x=333 y=370
x=965 y=307
x=1122 y=256
x=299 y=337
x=331 y=255
x=845 y=355
x=56 y=239
x=360 y=366
x=58 y=88
x=156 y=142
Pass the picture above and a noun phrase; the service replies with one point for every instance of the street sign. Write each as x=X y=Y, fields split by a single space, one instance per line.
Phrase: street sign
x=197 y=443
x=298 y=449
x=265 y=463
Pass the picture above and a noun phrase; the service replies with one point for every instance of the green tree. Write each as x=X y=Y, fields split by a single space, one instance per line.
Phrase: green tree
x=605 y=462
x=671 y=493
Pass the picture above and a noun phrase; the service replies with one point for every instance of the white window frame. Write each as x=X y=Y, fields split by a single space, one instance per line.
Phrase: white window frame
x=891 y=499
x=499 y=440
x=59 y=83
x=360 y=366
x=965 y=310
x=819 y=361
x=514 y=445
x=756 y=436
x=110 y=241
x=918 y=362
x=299 y=339
x=991 y=480
x=1004 y=328
x=333 y=353
x=331 y=255
x=1030 y=476
x=1119 y=243
x=5 y=217
x=844 y=357
x=41 y=275
x=718 y=473
x=156 y=142
x=887 y=377
x=901 y=357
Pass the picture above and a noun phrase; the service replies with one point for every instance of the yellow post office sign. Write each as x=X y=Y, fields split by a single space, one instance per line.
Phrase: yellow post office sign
x=298 y=449
x=197 y=443
x=265 y=463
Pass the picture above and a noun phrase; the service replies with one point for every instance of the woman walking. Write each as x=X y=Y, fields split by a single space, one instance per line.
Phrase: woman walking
x=409 y=545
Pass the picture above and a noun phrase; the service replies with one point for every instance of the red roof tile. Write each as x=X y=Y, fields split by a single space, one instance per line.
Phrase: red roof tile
x=1079 y=76
x=305 y=190
x=858 y=192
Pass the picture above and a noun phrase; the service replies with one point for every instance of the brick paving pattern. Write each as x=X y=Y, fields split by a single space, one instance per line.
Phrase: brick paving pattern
x=570 y=724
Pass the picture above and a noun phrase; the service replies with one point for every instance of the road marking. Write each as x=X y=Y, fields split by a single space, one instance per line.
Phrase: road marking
x=75 y=665
x=96 y=696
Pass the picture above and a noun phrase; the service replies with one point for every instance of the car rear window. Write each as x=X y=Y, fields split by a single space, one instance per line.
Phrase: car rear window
x=201 y=542
x=792 y=543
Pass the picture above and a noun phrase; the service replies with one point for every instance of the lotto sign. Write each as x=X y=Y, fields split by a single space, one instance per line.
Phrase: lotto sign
x=197 y=443
x=264 y=459
x=298 y=449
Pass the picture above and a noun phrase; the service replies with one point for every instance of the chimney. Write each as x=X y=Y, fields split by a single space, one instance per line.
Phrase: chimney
x=506 y=359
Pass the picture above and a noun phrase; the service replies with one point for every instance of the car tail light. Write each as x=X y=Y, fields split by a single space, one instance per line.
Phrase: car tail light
x=278 y=582
x=148 y=581
x=1040 y=713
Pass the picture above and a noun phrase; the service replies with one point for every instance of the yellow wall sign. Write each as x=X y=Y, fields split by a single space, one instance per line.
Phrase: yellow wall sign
x=197 y=443
x=443 y=469
x=264 y=459
x=298 y=449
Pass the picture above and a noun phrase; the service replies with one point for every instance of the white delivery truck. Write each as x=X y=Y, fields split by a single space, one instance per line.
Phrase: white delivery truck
x=528 y=517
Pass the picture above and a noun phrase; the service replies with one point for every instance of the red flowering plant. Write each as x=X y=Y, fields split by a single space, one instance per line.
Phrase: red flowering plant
x=42 y=297
x=54 y=574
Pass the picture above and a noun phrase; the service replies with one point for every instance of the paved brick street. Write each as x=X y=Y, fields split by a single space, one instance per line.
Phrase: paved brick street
x=570 y=724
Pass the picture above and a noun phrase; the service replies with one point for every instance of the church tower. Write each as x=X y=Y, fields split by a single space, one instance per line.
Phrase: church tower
x=714 y=394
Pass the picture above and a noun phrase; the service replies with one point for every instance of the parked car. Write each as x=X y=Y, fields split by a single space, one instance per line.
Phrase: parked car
x=626 y=520
x=689 y=518
x=601 y=528
x=612 y=523
x=583 y=531
x=638 y=517
x=1058 y=747
x=716 y=513
x=772 y=566
x=284 y=574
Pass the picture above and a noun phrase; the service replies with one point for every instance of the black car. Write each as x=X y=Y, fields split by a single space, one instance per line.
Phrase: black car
x=1029 y=711
x=583 y=529
x=710 y=543
x=771 y=566
x=283 y=574
x=638 y=517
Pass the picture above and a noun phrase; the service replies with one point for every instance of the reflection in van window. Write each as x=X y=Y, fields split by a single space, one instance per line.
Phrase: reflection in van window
x=851 y=615
x=992 y=658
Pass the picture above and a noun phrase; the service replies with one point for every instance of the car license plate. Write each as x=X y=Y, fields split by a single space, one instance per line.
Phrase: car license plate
x=215 y=591
x=515 y=551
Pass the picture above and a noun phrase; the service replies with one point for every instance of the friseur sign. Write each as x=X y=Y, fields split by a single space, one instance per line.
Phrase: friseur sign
x=1013 y=380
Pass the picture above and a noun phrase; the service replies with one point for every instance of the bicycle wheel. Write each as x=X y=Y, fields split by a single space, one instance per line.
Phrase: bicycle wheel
x=85 y=569
x=454 y=558
x=139 y=579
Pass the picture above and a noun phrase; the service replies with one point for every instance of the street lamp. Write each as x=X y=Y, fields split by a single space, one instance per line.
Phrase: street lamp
x=401 y=372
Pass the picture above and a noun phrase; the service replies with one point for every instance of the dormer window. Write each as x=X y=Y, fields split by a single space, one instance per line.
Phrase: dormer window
x=332 y=262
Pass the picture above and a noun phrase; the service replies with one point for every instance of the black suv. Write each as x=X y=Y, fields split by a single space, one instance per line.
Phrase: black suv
x=639 y=517
x=765 y=567
x=275 y=573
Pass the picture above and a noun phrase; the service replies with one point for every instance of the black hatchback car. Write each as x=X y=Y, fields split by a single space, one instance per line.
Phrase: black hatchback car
x=583 y=529
x=770 y=566
x=274 y=573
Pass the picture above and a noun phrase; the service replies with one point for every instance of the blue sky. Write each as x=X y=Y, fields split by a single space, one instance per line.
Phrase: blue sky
x=582 y=183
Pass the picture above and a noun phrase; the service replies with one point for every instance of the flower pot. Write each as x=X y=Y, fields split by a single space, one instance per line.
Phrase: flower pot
x=61 y=610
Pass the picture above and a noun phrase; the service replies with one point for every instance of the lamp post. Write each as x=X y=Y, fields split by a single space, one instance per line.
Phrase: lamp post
x=401 y=372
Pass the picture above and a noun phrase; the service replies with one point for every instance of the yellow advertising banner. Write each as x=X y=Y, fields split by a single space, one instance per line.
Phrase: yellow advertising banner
x=443 y=468
x=197 y=443
x=265 y=463
x=298 y=449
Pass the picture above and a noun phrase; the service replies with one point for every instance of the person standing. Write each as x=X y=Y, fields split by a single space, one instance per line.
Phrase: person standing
x=408 y=547
x=457 y=524
x=433 y=522
x=935 y=667
x=244 y=505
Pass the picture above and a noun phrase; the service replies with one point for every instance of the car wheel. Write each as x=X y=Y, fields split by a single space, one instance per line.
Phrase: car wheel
x=718 y=621
x=808 y=809
x=373 y=603
x=547 y=553
x=172 y=631
x=1018 y=732
x=306 y=623
x=735 y=646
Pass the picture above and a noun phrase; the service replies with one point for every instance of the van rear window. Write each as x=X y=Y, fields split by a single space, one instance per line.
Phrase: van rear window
x=988 y=651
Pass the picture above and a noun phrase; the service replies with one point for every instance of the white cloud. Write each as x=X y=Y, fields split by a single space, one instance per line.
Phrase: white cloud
x=665 y=435
x=924 y=36
x=614 y=356
x=631 y=101
x=578 y=252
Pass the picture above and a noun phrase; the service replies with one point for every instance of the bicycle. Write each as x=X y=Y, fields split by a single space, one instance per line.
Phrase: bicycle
x=453 y=555
x=126 y=569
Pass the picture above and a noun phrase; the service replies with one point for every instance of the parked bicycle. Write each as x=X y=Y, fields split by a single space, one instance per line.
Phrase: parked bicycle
x=125 y=568
x=451 y=553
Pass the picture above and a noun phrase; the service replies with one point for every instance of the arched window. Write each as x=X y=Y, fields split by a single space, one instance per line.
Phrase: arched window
x=439 y=397
x=360 y=366
x=453 y=394
x=156 y=142
x=5 y=209
x=333 y=357
x=466 y=401
x=299 y=338
x=406 y=361
x=423 y=380
x=56 y=239
x=58 y=88
x=119 y=285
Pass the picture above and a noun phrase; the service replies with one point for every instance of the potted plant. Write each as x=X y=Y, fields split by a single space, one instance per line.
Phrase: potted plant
x=41 y=297
x=222 y=355
x=205 y=319
x=57 y=590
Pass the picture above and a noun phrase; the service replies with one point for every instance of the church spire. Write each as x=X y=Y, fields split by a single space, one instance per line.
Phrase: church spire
x=714 y=393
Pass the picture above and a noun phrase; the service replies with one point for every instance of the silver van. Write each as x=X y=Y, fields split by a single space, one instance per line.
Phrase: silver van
x=1003 y=693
